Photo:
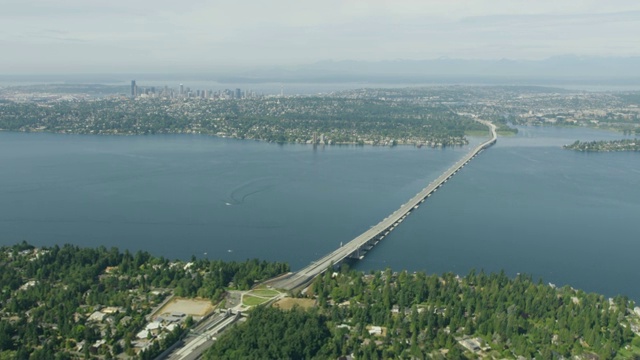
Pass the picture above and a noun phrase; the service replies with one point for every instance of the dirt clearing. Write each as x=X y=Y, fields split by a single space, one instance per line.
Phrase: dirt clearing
x=193 y=307
x=288 y=303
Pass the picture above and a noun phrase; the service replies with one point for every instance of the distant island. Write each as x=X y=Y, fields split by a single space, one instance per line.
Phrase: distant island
x=105 y=304
x=364 y=117
x=605 y=145
x=432 y=116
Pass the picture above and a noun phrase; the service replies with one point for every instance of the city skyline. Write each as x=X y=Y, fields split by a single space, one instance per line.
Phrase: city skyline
x=144 y=36
x=181 y=92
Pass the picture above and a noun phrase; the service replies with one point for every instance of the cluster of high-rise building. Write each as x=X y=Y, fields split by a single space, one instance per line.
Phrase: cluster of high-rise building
x=186 y=92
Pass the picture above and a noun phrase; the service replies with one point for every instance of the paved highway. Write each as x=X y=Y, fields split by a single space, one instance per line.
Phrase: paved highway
x=302 y=278
x=195 y=346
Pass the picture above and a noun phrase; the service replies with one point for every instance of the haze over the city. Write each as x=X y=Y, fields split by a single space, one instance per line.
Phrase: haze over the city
x=74 y=36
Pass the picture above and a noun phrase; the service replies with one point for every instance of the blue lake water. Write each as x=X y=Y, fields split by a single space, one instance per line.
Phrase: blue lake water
x=525 y=205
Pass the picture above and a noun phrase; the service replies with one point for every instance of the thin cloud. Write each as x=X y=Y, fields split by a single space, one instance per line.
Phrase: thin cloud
x=142 y=34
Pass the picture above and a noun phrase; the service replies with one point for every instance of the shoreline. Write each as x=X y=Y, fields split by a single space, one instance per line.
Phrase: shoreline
x=416 y=143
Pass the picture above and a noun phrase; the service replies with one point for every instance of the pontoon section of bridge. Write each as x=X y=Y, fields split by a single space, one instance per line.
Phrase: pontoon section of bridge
x=358 y=247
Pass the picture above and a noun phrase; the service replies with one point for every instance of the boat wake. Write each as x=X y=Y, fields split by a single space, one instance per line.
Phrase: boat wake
x=240 y=194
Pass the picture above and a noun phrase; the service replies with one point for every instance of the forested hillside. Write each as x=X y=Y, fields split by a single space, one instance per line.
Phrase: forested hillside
x=49 y=294
x=388 y=315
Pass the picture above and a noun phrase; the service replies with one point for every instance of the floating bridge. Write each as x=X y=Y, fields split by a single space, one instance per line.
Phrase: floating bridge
x=358 y=247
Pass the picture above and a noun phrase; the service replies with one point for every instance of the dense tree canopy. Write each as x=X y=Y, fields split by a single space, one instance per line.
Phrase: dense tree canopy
x=429 y=316
x=48 y=293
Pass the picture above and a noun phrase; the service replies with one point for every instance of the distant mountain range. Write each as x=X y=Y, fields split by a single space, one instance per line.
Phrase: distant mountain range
x=572 y=69
x=555 y=70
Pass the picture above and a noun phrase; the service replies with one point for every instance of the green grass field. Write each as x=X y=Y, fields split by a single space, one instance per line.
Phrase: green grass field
x=249 y=300
x=264 y=292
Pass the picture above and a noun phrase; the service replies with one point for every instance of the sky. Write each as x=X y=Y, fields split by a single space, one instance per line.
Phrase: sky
x=99 y=36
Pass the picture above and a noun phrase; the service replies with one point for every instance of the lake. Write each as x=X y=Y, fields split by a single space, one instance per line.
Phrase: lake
x=525 y=205
x=528 y=206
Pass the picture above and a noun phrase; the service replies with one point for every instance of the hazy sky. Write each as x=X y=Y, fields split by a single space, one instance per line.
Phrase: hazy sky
x=187 y=35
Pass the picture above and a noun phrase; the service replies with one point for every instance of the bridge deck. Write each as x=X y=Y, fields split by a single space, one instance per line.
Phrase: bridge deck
x=304 y=276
